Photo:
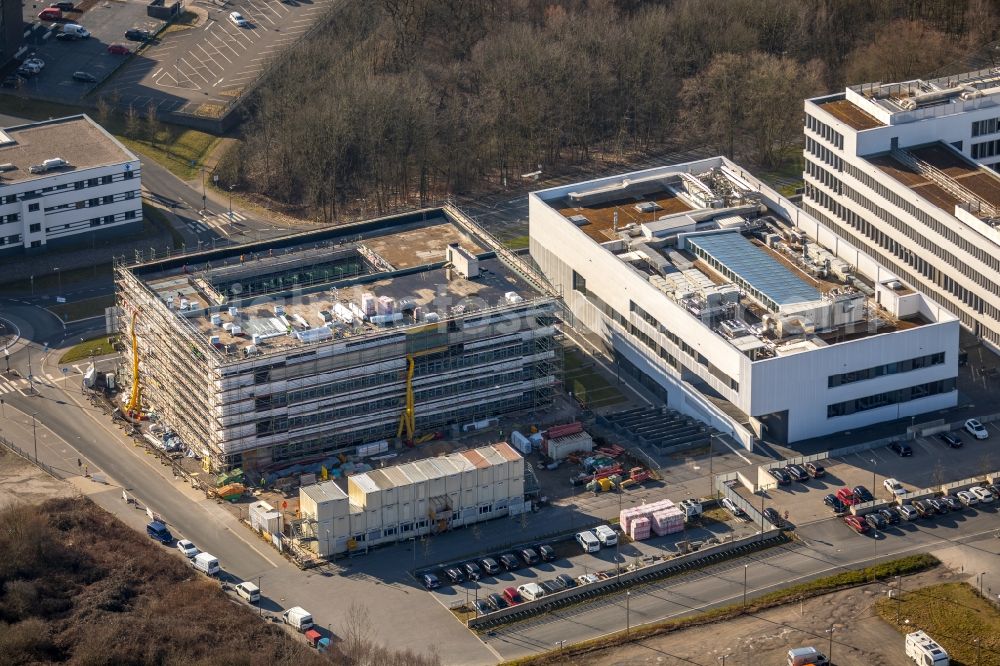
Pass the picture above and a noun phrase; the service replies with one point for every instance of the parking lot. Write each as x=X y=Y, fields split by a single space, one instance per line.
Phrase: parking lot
x=933 y=463
x=575 y=563
x=106 y=22
x=204 y=68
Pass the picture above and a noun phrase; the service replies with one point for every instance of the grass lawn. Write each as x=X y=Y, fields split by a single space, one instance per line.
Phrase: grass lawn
x=176 y=147
x=587 y=385
x=88 y=307
x=95 y=346
x=954 y=615
x=517 y=242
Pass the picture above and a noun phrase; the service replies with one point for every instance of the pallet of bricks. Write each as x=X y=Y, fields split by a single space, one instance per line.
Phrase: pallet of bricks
x=658 y=518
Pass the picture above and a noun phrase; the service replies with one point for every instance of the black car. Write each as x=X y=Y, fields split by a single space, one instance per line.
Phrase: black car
x=528 y=556
x=553 y=586
x=138 y=35
x=483 y=607
x=430 y=581
x=815 y=470
x=875 y=520
x=567 y=580
x=472 y=571
x=951 y=439
x=797 y=473
x=64 y=6
x=937 y=505
x=834 y=503
x=496 y=601
x=902 y=449
x=952 y=502
x=891 y=515
x=510 y=562
x=86 y=77
x=773 y=517
x=547 y=552
x=923 y=509
x=863 y=494
x=489 y=565
x=66 y=37
x=781 y=476
x=454 y=574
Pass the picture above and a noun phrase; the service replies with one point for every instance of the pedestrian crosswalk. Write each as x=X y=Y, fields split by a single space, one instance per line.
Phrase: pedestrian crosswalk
x=12 y=385
x=216 y=221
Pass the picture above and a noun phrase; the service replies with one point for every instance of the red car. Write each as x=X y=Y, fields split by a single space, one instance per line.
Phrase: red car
x=846 y=495
x=511 y=596
x=118 y=49
x=50 y=14
x=856 y=524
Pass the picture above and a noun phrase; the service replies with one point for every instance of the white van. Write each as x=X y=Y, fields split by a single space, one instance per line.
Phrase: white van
x=531 y=591
x=588 y=541
x=248 y=591
x=206 y=563
x=77 y=31
x=606 y=535
x=922 y=649
x=298 y=617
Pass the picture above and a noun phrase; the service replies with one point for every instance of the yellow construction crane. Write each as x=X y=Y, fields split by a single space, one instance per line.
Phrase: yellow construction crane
x=133 y=407
x=407 y=421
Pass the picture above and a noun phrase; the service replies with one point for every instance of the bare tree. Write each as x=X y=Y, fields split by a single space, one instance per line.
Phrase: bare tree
x=153 y=124
x=103 y=111
x=132 y=122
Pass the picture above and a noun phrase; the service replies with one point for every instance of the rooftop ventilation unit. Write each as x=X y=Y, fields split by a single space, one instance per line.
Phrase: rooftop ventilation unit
x=647 y=207
x=579 y=220
x=48 y=165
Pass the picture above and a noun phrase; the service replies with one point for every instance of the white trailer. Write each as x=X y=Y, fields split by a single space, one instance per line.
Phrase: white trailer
x=924 y=650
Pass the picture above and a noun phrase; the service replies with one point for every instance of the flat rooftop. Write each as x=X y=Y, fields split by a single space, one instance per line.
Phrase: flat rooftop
x=598 y=220
x=950 y=174
x=77 y=139
x=849 y=113
x=346 y=282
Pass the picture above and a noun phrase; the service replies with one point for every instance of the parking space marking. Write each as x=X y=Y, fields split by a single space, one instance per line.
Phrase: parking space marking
x=209 y=56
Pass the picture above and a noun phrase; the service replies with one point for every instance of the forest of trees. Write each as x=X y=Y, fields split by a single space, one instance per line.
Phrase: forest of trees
x=393 y=103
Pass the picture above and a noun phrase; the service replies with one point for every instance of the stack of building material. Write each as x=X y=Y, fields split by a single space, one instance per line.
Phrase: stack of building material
x=667 y=521
x=639 y=529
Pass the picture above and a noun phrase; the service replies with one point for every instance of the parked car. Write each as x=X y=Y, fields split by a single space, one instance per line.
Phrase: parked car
x=490 y=566
x=951 y=439
x=118 y=49
x=731 y=507
x=237 y=19
x=780 y=475
x=454 y=574
x=63 y=6
x=863 y=494
x=188 y=548
x=797 y=472
x=510 y=562
x=472 y=571
x=967 y=498
x=567 y=580
x=834 y=503
x=66 y=37
x=157 y=530
x=982 y=494
x=993 y=488
x=907 y=512
x=528 y=556
x=76 y=30
x=856 y=524
x=902 y=449
x=894 y=487
x=496 y=601
x=976 y=429
x=773 y=517
x=952 y=502
x=430 y=581
x=553 y=586
x=86 y=77
x=587 y=579
x=891 y=515
x=846 y=497
x=482 y=606
x=876 y=520
x=924 y=510
x=815 y=470
x=938 y=506
x=138 y=35
x=50 y=14
x=511 y=596
x=547 y=552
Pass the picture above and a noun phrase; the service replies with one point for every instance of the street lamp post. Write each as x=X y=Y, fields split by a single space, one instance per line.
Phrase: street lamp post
x=628 y=619
x=829 y=655
x=34 y=437
x=58 y=281
x=981 y=583
x=260 y=596
x=899 y=595
x=618 y=563
x=204 y=197
x=745 y=568
x=231 y=202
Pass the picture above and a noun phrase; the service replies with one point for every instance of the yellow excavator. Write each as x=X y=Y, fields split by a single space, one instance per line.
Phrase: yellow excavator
x=133 y=408
x=407 y=422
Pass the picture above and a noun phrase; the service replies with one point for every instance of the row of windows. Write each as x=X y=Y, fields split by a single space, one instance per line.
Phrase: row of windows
x=890 y=397
x=895 y=368
x=96 y=201
x=825 y=131
x=944 y=230
x=10 y=240
x=7 y=219
x=985 y=149
x=78 y=185
x=817 y=149
x=983 y=127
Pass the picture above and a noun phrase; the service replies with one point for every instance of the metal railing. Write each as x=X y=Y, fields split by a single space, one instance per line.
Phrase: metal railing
x=14 y=448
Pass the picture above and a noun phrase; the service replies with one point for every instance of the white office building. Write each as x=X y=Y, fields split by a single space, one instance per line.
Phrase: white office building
x=739 y=309
x=906 y=171
x=60 y=179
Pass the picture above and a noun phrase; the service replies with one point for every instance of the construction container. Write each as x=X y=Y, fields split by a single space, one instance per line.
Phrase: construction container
x=368 y=304
x=561 y=447
x=236 y=330
x=110 y=381
x=233 y=311
x=385 y=305
x=373 y=448
x=520 y=442
x=216 y=320
x=90 y=377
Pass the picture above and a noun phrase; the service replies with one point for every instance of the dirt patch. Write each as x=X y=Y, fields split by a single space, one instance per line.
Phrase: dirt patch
x=20 y=481
x=860 y=637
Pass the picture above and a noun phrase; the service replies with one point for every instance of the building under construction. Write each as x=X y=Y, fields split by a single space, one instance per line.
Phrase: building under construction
x=316 y=343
